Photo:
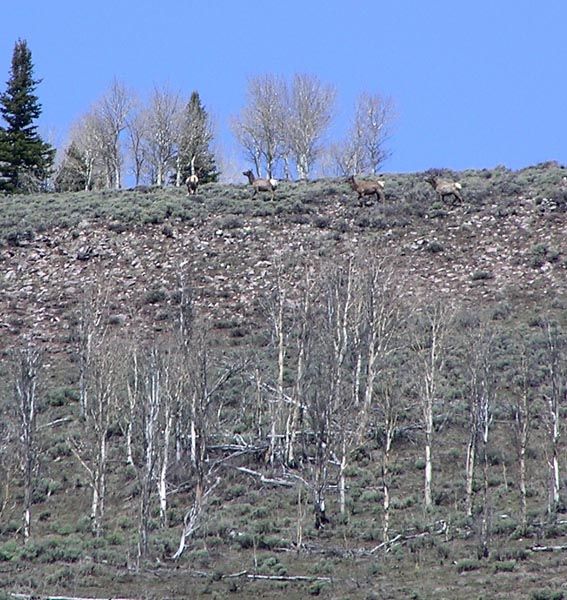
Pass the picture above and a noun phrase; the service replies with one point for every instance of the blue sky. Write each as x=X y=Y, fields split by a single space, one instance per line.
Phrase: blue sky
x=475 y=83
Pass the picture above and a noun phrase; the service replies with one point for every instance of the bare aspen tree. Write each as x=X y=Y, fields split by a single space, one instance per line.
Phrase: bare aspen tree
x=153 y=388
x=384 y=320
x=81 y=167
x=428 y=348
x=522 y=408
x=346 y=156
x=303 y=322
x=276 y=309
x=260 y=126
x=204 y=381
x=383 y=306
x=363 y=150
x=479 y=346
x=343 y=311
x=150 y=386
x=391 y=411
x=373 y=118
x=8 y=457
x=480 y=374
x=90 y=332
x=26 y=374
x=162 y=117
x=136 y=134
x=112 y=112
x=250 y=142
x=91 y=449
x=330 y=386
x=554 y=357
x=310 y=108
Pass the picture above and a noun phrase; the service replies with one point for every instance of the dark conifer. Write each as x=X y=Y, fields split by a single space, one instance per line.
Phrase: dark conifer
x=25 y=159
x=196 y=138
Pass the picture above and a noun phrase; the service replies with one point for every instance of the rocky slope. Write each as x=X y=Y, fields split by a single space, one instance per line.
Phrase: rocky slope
x=475 y=253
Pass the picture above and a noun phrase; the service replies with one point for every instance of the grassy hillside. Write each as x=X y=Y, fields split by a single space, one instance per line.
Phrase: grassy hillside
x=131 y=264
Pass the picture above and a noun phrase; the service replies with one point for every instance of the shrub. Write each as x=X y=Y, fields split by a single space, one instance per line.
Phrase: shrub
x=506 y=566
x=547 y=594
x=317 y=587
x=481 y=276
x=321 y=222
x=467 y=564
x=154 y=296
x=434 y=247
x=9 y=551
x=419 y=464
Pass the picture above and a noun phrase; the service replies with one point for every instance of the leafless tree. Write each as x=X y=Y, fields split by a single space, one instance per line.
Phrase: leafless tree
x=26 y=375
x=111 y=113
x=303 y=320
x=260 y=126
x=363 y=150
x=91 y=448
x=136 y=129
x=91 y=328
x=373 y=119
x=555 y=366
x=153 y=388
x=203 y=382
x=431 y=327
x=391 y=414
x=479 y=362
x=83 y=155
x=8 y=457
x=310 y=108
x=162 y=117
x=522 y=406
x=480 y=377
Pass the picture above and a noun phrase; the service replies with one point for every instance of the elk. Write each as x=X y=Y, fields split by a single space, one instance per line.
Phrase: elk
x=444 y=187
x=192 y=182
x=261 y=185
x=367 y=188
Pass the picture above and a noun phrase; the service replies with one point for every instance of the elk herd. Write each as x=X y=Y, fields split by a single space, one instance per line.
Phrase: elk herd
x=444 y=188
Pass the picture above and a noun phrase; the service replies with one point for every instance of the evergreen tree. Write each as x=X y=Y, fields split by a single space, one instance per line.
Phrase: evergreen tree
x=196 y=137
x=72 y=174
x=25 y=159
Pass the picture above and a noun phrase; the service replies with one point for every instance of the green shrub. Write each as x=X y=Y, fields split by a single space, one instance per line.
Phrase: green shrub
x=9 y=550
x=419 y=464
x=547 y=594
x=317 y=587
x=370 y=496
x=506 y=566
x=467 y=564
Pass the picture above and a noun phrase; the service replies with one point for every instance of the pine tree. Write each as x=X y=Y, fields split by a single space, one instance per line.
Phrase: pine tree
x=25 y=159
x=196 y=137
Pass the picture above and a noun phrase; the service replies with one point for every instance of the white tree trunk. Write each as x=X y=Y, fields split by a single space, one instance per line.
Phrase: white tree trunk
x=162 y=481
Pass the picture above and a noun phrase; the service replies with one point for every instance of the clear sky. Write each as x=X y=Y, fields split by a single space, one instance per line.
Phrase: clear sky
x=476 y=83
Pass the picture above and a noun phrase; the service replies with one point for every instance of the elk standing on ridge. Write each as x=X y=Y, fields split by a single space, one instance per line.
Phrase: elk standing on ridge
x=444 y=187
x=192 y=181
x=367 y=188
x=261 y=185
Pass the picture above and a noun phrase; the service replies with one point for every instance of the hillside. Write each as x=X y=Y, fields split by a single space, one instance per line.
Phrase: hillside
x=503 y=253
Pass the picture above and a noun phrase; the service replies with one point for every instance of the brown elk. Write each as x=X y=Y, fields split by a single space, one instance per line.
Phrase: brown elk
x=444 y=188
x=192 y=182
x=261 y=185
x=367 y=188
